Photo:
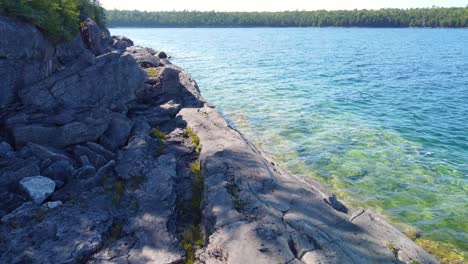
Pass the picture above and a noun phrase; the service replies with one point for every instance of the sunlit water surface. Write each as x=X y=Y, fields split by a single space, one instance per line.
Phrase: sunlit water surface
x=380 y=116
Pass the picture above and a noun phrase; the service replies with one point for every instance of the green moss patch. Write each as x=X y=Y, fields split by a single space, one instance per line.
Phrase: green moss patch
x=193 y=236
x=195 y=139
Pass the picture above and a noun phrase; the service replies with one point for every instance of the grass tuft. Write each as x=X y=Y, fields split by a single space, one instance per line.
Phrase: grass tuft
x=118 y=191
x=195 y=139
x=193 y=236
x=156 y=133
x=392 y=249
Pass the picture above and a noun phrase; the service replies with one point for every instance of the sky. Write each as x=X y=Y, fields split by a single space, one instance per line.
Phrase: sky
x=273 y=5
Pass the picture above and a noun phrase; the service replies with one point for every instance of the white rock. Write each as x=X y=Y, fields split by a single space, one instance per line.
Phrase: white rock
x=52 y=205
x=38 y=188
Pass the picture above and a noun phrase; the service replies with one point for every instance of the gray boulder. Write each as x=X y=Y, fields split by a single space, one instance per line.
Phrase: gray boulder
x=117 y=134
x=161 y=55
x=38 y=188
x=93 y=37
x=73 y=133
x=121 y=42
x=110 y=81
x=144 y=56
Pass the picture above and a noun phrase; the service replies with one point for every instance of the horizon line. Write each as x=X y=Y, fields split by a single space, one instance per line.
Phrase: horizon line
x=295 y=10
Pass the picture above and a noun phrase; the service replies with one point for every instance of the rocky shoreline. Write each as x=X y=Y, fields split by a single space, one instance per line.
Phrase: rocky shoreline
x=109 y=154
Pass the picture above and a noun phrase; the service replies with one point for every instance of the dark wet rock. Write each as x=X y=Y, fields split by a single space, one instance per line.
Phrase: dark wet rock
x=38 y=188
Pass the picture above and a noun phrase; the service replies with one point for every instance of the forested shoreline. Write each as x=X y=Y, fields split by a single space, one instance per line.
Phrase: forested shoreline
x=421 y=17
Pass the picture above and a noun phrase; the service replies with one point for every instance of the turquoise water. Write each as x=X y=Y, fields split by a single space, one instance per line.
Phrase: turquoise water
x=378 y=115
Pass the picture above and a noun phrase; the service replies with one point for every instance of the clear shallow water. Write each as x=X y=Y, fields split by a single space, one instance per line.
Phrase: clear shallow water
x=378 y=115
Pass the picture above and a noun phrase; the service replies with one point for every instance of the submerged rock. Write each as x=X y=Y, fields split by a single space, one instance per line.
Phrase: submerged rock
x=38 y=188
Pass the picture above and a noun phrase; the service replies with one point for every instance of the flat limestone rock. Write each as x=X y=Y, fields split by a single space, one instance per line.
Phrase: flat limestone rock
x=39 y=188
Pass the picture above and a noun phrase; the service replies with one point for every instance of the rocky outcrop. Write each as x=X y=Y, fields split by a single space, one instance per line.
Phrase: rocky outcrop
x=139 y=168
x=24 y=59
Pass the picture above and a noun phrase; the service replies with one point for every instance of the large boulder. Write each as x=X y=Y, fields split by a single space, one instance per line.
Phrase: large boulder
x=39 y=188
x=58 y=136
x=94 y=38
x=110 y=81
x=117 y=134
x=144 y=56
x=25 y=57
x=121 y=42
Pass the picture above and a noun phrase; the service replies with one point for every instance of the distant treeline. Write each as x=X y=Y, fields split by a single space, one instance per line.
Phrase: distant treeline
x=421 y=17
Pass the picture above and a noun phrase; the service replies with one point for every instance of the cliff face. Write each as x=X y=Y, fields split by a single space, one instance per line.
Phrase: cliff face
x=104 y=162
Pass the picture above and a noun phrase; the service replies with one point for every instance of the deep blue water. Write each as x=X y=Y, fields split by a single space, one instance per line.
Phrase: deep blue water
x=378 y=115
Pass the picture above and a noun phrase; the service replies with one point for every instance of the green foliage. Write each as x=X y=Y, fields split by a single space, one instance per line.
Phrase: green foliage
x=158 y=133
x=392 y=249
x=58 y=19
x=195 y=139
x=193 y=237
x=160 y=136
x=420 y=17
